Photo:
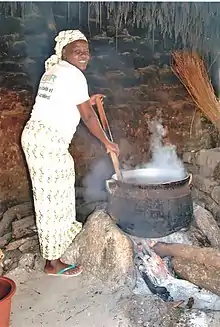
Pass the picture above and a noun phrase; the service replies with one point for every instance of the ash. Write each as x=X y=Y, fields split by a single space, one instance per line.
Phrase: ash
x=155 y=275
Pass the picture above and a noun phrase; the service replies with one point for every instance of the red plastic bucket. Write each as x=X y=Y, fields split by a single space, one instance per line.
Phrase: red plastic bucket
x=7 y=290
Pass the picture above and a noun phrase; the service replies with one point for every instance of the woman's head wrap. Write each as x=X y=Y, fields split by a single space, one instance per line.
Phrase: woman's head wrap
x=62 y=39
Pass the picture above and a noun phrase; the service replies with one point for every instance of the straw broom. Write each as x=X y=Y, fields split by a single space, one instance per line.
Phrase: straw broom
x=191 y=71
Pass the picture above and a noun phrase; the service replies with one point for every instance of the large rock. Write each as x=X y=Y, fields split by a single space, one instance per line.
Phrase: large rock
x=205 y=200
x=5 y=239
x=216 y=194
x=193 y=169
x=188 y=157
x=200 y=142
x=11 y=259
x=23 y=227
x=208 y=225
x=18 y=211
x=204 y=184
x=208 y=160
x=23 y=244
x=104 y=251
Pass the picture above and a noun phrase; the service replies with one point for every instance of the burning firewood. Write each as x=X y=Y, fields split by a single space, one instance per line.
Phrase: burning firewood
x=178 y=304
x=200 y=275
x=202 y=256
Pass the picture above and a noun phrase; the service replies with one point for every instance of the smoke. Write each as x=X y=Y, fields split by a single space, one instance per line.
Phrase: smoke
x=94 y=181
x=163 y=154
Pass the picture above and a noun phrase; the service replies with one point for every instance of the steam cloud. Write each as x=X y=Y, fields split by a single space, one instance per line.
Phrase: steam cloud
x=94 y=181
x=164 y=156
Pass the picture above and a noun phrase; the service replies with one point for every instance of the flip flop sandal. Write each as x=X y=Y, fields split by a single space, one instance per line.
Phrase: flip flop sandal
x=70 y=267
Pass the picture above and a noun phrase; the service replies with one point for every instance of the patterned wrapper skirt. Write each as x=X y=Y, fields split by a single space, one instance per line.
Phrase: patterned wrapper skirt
x=52 y=174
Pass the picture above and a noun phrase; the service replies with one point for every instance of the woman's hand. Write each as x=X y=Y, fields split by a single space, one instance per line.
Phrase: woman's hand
x=112 y=147
x=94 y=97
x=91 y=120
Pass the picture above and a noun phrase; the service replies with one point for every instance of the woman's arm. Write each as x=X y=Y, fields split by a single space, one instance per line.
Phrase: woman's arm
x=91 y=120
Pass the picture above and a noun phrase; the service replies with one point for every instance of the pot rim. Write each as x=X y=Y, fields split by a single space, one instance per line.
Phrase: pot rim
x=187 y=178
x=12 y=290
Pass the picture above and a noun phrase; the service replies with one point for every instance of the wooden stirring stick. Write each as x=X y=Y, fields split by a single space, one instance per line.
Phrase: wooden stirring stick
x=106 y=128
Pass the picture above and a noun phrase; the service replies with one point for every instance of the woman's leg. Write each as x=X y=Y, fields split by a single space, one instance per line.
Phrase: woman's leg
x=55 y=214
x=53 y=178
x=55 y=266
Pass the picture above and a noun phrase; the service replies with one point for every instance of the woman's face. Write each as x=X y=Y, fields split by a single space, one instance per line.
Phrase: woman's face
x=77 y=54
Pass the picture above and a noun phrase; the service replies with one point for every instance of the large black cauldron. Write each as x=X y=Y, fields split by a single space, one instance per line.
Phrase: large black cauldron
x=150 y=203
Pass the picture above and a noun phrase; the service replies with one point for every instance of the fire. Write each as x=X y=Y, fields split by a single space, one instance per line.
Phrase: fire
x=160 y=279
x=156 y=265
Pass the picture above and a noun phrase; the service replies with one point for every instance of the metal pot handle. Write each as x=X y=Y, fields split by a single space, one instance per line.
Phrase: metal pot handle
x=108 y=185
x=190 y=179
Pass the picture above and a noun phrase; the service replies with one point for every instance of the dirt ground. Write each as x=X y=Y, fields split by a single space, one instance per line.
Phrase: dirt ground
x=54 y=301
x=84 y=302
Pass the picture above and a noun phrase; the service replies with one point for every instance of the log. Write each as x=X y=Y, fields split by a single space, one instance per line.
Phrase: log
x=200 y=275
x=205 y=256
x=208 y=225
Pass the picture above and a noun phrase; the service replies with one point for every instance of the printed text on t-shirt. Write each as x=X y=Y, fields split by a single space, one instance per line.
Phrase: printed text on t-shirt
x=45 y=91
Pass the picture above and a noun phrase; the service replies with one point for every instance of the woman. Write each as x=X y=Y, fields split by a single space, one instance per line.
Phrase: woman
x=61 y=101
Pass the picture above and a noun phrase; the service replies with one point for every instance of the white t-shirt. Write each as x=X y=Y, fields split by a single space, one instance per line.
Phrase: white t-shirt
x=61 y=89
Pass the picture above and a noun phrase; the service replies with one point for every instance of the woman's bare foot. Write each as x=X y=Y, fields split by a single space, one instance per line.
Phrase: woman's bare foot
x=53 y=267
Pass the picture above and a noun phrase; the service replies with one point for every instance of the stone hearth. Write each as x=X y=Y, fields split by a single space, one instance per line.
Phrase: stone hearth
x=109 y=255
